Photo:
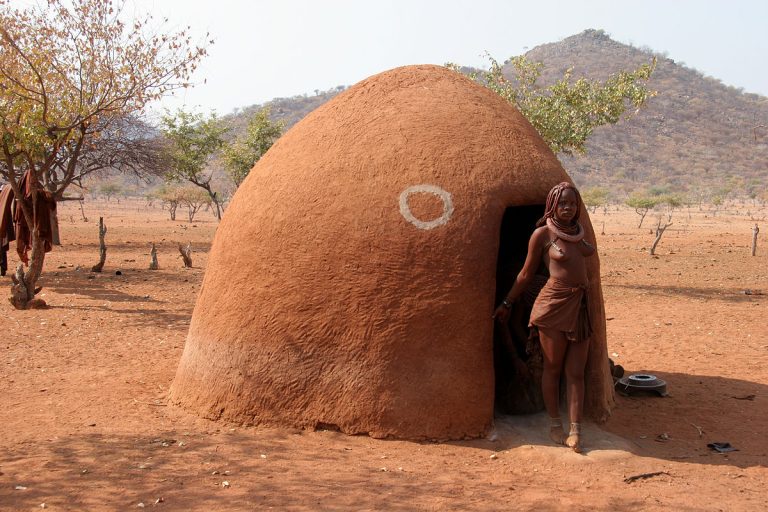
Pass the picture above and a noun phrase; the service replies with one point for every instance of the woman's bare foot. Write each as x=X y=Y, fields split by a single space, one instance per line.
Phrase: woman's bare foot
x=556 y=433
x=573 y=441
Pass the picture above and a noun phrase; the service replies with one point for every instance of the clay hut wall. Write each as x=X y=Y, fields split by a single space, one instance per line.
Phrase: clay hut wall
x=352 y=279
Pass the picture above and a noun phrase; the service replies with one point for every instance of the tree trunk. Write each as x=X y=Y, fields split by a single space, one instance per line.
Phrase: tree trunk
x=102 y=247
x=215 y=199
x=23 y=290
x=659 y=232
x=82 y=211
x=56 y=239
x=642 y=216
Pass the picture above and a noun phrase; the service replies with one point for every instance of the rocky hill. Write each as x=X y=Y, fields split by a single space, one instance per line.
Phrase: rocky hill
x=698 y=136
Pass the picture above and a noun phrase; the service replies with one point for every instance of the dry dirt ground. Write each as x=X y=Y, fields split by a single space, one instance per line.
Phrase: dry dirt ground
x=84 y=423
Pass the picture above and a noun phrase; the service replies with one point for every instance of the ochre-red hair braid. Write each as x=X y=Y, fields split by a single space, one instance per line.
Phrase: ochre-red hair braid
x=553 y=198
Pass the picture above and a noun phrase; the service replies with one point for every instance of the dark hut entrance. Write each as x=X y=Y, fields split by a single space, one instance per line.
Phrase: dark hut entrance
x=517 y=363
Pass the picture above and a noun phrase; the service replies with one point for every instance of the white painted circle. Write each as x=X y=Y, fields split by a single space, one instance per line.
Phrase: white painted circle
x=405 y=210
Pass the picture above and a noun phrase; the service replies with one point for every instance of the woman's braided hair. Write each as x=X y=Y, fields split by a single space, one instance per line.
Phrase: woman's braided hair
x=553 y=198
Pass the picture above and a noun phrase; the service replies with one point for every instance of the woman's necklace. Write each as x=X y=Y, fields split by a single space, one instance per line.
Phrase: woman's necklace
x=573 y=233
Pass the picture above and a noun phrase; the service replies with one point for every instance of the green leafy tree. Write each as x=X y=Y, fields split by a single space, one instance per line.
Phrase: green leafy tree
x=169 y=196
x=653 y=198
x=241 y=155
x=642 y=204
x=72 y=74
x=194 y=199
x=595 y=197
x=193 y=139
x=566 y=113
x=110 y=189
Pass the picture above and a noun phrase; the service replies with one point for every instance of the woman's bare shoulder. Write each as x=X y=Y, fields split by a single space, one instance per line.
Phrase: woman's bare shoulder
x=541 y=233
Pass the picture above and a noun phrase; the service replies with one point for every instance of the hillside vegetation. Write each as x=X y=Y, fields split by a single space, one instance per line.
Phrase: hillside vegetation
x=698 y=136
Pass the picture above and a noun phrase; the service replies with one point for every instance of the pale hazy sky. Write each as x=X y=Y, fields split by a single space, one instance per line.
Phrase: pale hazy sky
x=280 y=48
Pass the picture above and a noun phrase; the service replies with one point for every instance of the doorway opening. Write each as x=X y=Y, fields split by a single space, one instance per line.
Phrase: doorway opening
x=517 y=359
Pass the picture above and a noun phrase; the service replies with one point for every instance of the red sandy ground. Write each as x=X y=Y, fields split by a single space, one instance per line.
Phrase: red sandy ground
x=84 y=424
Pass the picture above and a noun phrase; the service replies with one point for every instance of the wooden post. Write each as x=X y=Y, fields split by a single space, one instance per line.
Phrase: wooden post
x=153 y=254
x=186 y=254
x=102 y=247
x=755 y=231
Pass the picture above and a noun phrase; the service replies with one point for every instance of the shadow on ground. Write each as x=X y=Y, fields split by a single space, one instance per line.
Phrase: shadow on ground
x=736 y=295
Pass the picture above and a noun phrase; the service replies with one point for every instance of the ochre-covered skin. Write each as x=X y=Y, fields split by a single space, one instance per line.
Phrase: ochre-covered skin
x=322 y=304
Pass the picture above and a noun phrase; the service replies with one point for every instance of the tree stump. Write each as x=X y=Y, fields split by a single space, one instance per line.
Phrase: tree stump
x=21 y=295
x=186 y=254
x=102 y=247
x=153 y=254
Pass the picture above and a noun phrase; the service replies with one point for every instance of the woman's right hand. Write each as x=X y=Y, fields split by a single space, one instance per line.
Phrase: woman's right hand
x=501 y=314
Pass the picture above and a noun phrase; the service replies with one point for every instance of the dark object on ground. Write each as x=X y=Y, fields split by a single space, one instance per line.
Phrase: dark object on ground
x=643 y=476
x=640 y=383
x=722 y=447
x=617 y=371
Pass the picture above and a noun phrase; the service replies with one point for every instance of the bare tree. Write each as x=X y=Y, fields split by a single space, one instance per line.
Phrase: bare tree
x=659 y=233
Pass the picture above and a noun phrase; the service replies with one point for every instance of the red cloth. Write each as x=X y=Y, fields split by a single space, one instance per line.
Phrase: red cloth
x=6 y=215
x=7 y=234
x=41 y=214
x=563 y=307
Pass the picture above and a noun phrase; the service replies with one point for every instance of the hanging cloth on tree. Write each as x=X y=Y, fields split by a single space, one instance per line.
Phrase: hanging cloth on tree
x=44 y=207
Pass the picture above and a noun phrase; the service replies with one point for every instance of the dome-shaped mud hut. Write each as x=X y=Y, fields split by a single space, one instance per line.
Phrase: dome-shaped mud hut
x=352 y=280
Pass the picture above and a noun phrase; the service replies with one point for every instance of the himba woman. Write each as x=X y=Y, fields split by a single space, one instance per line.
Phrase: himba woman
x=560 y=315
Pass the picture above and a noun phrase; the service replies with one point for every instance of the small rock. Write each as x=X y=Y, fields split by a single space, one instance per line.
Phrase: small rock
x=225 y=483
x=494 y=456
x=42 y=505
x=159 y=500
x=140 y=505
x=20 y=488
x=263 y=456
